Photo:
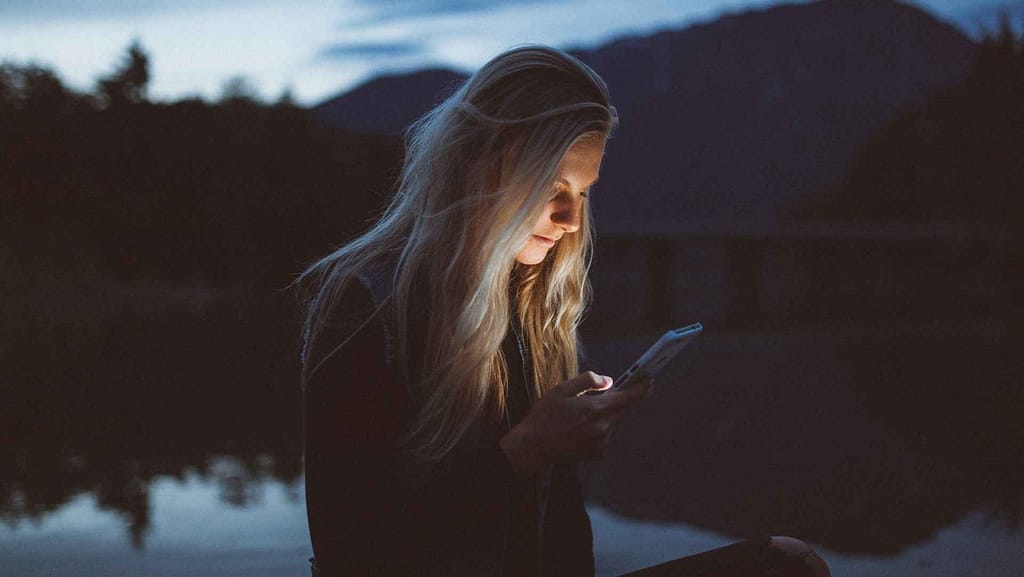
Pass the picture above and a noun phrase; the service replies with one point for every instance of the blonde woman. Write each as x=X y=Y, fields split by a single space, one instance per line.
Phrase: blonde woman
x=442 y=392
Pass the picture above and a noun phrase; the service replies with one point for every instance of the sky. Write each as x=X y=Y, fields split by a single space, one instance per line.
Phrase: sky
x=315 y=49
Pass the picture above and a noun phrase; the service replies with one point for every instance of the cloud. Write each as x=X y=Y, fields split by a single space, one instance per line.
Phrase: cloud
x=53 y=10
x=371 y=50
x=383 y=12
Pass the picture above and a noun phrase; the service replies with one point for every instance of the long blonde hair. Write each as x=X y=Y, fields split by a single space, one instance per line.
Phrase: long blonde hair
x=478 y=172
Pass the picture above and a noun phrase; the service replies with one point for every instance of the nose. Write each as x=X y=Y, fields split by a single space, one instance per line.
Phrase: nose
x=567 y=213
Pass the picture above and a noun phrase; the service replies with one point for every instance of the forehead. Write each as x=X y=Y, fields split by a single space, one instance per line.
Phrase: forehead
x=582 y=161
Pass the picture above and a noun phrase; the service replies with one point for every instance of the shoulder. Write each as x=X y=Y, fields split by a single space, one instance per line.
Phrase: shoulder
x=339 y=311
x=354 y=309
x=377 y=277
x=354 y=320
x=328 y=327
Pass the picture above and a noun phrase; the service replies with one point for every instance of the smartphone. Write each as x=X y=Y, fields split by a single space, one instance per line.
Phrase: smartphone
x=656 y=357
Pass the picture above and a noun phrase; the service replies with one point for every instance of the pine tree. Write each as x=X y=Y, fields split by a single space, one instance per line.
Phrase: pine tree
x=127 y=85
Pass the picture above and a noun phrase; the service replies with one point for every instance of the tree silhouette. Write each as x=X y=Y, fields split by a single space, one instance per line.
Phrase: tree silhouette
x=239 y=88
x=33 y=88
x=127 y=84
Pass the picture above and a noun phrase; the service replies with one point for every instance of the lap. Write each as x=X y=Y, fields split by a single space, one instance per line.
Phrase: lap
x=765 y=557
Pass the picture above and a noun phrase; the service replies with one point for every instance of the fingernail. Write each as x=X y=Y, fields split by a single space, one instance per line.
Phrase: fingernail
x=607 y=381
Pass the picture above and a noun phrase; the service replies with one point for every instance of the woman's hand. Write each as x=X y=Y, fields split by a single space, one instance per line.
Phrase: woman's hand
x=566 y=426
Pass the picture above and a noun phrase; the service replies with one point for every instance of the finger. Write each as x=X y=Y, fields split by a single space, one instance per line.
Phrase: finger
x=614 y=416
x=582 y=383
x=642 y=386
x=643 y=383
x=606 y=384
x=617 y=399
x=609 y=421
x=648 y=386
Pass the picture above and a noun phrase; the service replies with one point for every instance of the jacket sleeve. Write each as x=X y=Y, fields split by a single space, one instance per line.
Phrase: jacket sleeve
x=354 y=411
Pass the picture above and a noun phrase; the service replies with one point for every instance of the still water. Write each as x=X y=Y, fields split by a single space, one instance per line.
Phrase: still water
x=168 y=443
x=196 y=533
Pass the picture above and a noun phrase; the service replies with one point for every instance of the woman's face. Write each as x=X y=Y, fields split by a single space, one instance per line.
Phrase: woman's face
x=576 y=174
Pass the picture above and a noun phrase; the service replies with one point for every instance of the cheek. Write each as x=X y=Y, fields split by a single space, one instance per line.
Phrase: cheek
x=543 y=220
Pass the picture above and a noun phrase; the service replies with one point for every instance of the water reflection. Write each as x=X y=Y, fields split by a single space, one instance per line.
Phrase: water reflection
x=107 y=403
x=867 y=441
x=192 y=532
x=969 y=547
x=777 y=433
x=195 y=533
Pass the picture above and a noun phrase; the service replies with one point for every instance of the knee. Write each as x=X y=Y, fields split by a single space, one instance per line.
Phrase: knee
x=798 y=558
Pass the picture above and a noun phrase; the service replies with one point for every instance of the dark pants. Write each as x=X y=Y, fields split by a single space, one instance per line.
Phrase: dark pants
x=765 y=557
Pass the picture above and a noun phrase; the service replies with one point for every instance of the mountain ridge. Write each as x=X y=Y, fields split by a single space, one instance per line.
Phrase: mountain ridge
x=743 y=117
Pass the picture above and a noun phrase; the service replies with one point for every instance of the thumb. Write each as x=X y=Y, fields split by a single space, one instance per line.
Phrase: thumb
x=580 y=383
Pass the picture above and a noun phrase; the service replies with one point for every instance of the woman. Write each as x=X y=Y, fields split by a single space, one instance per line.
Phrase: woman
x=442 y=393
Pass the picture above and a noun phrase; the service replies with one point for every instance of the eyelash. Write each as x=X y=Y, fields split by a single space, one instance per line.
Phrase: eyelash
x=557 y=191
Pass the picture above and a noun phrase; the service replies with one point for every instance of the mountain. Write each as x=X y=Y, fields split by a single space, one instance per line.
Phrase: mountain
x=388 y=104
x=955 y=159
x=744 y=117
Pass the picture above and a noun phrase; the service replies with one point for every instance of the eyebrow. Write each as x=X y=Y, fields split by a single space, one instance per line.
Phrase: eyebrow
x=567 y=183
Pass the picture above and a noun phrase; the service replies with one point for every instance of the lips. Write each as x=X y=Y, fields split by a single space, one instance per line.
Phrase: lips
x=544 y=241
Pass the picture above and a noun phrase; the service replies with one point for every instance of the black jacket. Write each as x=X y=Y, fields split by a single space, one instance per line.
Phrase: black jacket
x=374 y=511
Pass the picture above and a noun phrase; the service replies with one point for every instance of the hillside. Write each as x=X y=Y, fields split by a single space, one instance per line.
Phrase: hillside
x=387 y=104
x=956 y=158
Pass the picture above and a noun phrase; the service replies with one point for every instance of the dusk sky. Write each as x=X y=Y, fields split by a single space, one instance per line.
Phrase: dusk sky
x=318 y=48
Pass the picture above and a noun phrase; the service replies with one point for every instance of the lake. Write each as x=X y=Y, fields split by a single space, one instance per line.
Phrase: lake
x=166 y=442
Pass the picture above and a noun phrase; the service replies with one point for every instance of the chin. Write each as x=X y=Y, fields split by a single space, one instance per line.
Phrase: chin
x=529 y=261
x=531 y=258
